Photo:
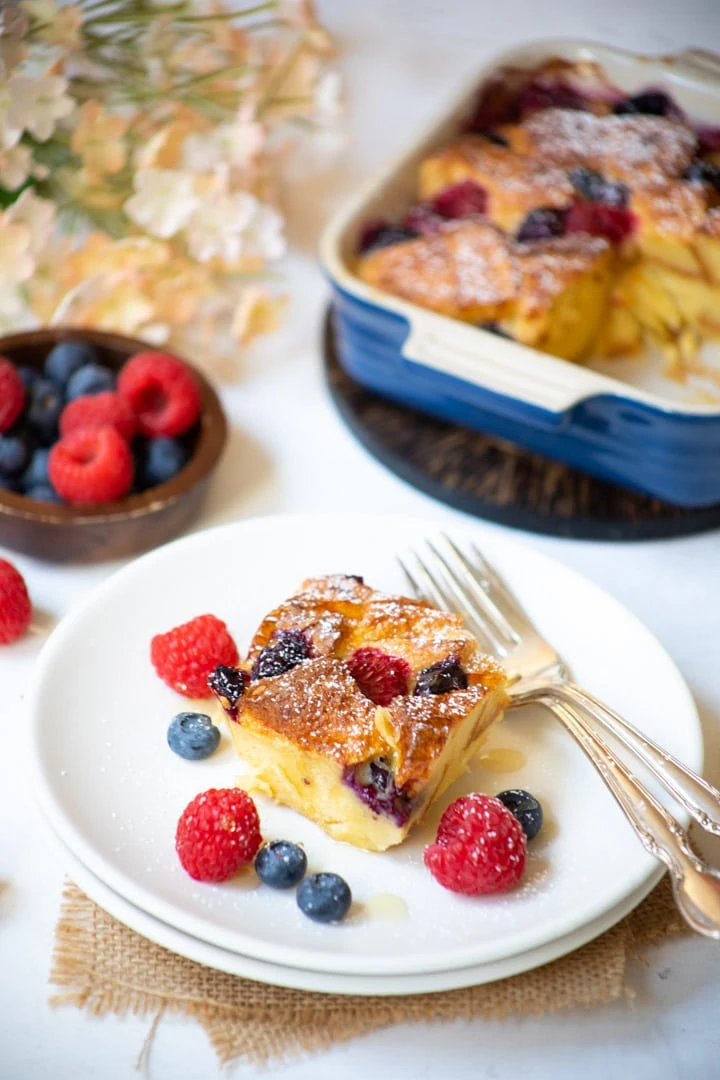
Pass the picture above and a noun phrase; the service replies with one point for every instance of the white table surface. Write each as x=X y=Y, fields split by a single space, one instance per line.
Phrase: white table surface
x=290 y=452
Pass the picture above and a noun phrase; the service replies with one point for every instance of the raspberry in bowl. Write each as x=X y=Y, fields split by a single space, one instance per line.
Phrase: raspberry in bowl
x=107 y=445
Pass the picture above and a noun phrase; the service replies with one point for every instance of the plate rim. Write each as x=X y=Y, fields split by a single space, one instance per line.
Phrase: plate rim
x=306 y=958
x=167 y=936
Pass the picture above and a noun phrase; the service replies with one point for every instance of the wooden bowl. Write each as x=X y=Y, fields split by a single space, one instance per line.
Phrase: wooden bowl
x=117 y=530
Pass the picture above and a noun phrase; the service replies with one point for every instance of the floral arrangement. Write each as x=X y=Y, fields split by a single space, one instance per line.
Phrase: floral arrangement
x=141 y=145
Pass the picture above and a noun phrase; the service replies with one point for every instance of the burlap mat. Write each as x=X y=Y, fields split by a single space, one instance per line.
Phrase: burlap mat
x=104 y=967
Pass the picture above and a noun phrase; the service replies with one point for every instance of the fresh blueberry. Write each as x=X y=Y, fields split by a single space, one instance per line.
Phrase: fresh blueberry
x=8 y=483
x=43 y=414
x=42 y=493
x=164 y=459
x=324 y=897
x=526 y=808
x=66 y=358
x=29 y=375
x=648 y=103
x=281 y=864
x=36 y=474
x=374 y=784
x=89 y=379
x=285 y=650
x=441 y=678
x=229 y=684
x=14 y=454
x=542 y=224
x=704 y=172
x=193 y=735
x=594 y=187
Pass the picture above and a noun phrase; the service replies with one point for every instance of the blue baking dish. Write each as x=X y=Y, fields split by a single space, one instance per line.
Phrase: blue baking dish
x=642 y=437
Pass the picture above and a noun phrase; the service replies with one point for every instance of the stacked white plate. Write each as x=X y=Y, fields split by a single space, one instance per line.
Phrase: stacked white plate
x=113 y=791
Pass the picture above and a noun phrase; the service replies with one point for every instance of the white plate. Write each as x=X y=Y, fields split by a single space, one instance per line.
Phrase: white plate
x=114 y=792
x=325 y=982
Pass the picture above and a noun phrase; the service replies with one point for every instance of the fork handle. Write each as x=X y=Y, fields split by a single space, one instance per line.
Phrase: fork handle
x=696 y=886
x=700 y=799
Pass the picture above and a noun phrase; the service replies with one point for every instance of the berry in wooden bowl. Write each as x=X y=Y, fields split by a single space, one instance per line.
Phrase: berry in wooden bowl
x=106 y=445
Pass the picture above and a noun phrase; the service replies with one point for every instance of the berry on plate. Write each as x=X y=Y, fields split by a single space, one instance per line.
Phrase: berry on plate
x=218 y=833
x=380 y=676
x=89 y=379
x=280 y=864
x=91 y=466
x=187 y=655
x=12 y=394
x=162 y=392
x=480 y=847
x=97 y=410
x=193 y=736
x=525 y=807
x=324 y=897
x=15 y=606
x=65 y=358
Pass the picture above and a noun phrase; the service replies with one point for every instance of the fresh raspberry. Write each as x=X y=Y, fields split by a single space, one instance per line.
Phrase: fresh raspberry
x=97 y=410
x=218 y=833
x=91 y=466
x=186 y=656
x=15 y=607
x=12 y=394
x=461 y=200
x=597 y=219
x=162 y=392
x=480 y=847
x=381 y=677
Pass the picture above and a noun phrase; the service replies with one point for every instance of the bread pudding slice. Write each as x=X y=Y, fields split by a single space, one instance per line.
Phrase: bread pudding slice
x=358 y=709
x=549 y=294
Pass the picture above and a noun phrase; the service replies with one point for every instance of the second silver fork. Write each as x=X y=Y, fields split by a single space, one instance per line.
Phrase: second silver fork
x=474 y=590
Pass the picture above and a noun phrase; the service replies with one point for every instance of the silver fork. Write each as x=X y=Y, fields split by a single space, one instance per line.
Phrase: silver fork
x=474 y=590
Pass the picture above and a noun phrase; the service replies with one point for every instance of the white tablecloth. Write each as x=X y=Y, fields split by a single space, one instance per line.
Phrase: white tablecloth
x=290 y=452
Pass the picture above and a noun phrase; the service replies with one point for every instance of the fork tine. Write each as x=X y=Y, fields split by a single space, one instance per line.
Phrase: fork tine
x=476 y=614
x=477 y=597
x=431 y=594
x=490 y=585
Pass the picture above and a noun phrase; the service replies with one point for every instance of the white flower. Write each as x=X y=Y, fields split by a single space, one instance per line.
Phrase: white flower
x=16 y=261
x=37 y=103
x=16 y=164
x=163 y=202
x=14 y=313
x=328 y=105
x=37 y=215
x=235 y=144
x=218 y=226
x=264 y=235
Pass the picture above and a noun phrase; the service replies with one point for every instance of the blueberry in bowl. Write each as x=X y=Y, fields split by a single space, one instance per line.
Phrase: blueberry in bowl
x=107 y=447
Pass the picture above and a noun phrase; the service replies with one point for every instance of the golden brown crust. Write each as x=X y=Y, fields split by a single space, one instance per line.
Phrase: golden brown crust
x=639 y=149
x=319 y=707
x=515 y=184
x=464 y=271
x=533 y=274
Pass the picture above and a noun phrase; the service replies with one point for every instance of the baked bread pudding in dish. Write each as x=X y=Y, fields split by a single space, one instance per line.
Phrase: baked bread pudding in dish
x=358 y=709
x=566 y=216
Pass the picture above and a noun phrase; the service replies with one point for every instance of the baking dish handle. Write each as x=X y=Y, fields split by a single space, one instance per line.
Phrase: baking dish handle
x=504 y=367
